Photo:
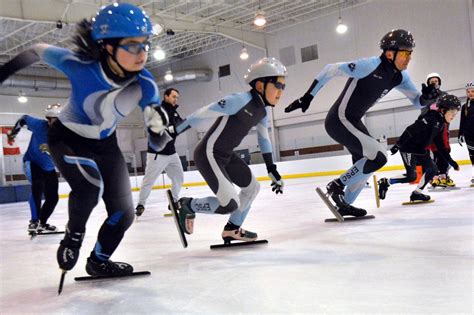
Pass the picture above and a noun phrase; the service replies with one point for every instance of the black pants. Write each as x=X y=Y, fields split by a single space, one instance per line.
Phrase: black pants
x=42 y=182
x=470 y=147
x=411 y=161
x=441 y=163
x=94 y=169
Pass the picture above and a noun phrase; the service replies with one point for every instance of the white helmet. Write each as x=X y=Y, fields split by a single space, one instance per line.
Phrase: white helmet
x=433 y=75
x=265 y=67
x=53 y=110
x=469 y=85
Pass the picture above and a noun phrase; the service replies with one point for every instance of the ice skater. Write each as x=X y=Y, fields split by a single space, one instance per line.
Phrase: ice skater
x=466 y=128
x=234 y=115
x=39 y=168
x=412 y=144
x=166 y=159
x=108 y=81
x=370 y=79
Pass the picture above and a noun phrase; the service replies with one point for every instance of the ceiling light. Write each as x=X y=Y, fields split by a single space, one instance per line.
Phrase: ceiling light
x=157 y=29
x=159 y=54
x=22 y=98
x=168 y=76
x=260 y=19
x=244 y=54
x=341 y=27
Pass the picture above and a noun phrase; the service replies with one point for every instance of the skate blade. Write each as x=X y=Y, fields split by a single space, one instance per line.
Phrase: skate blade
x=182 y=237
x=168 y=214
x=365 y=217
x=134 y=274
x=376 y=188
x=328 y=203
x=238 y=244
x=409 y=203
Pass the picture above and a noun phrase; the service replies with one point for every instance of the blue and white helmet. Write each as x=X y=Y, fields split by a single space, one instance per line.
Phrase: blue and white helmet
x=469 y=85
x=120 y=20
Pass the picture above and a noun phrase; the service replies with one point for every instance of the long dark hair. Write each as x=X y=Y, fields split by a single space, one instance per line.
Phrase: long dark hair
x=86 y=47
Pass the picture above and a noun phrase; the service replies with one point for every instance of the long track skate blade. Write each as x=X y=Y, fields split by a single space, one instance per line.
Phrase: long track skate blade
x=61 y=281
x=50 y=233
x=238 y=244
x=328 y=203
x=172 y=204
x=365 y=217
x=410 y=203
x=134 y=274
x=376 y=188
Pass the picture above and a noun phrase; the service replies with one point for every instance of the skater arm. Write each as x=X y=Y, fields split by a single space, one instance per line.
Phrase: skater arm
x=444 y=154
x=55 y=57
x=463 y=121
x=352 y=69
x=16 y=129
x=228 y=106
x=407 y=87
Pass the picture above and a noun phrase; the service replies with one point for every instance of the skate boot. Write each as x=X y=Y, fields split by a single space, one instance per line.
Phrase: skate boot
x=46 y=228
x=383 y=187
x=230 y=234
x=68 y=251
x=186 y=215
x=352 y=211
x=109 y=268
x=139 y=210
x=33 y=226
x=449 y=182
x=435 y=183
x=335 y=190
x=417 y=196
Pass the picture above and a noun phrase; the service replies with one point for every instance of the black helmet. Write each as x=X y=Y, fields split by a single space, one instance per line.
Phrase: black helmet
x=397 y=40
x=449 y=102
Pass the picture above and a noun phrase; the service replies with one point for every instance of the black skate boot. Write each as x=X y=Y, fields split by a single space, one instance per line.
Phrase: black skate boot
x=335 y=189
x=383 y=187
x=417 y=196
x=46 y=228
x=186 y=215
x=139 y=210
x=352 y=211
x=33 y=226
x=68 y=251
x=107 y=268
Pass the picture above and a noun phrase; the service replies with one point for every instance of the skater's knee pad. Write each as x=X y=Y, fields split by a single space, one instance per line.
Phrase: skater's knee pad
x=375 y=164
x=229 y=208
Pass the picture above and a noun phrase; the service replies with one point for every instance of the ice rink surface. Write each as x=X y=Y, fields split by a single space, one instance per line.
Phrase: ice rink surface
x=409 y=259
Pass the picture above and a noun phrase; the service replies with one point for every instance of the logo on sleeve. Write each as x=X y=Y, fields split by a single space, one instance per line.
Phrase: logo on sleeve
x=352 y=66
x=221 y=103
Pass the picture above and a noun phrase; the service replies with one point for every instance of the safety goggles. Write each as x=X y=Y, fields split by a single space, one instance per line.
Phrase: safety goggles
x=136 y=48
x=405 y=53
x=279 y=86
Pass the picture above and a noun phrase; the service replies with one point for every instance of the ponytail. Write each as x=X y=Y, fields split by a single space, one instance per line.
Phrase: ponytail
x=83 y=40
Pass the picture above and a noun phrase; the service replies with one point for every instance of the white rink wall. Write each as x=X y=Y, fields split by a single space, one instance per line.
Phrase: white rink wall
x=302 y=167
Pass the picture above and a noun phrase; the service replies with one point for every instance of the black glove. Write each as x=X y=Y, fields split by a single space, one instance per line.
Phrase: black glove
x=277 y=181
x=454 y=165
x=429 y=92
x=394 y=149
x=158 y=141
x=302 y=103
x=460 y=139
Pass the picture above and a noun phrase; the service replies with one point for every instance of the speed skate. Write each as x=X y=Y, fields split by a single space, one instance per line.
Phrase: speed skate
x=338 y=217
x=228 y=244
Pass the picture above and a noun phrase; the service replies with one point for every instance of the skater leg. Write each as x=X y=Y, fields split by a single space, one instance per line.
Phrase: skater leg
x=174 y=170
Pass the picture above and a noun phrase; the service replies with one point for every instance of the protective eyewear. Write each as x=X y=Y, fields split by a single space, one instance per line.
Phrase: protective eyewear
x=136 y=48
x=279 y=86
x=405 y=53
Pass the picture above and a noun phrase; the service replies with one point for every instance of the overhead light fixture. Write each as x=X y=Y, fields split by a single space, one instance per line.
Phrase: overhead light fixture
x=159 y=54
x=157 y=29
x=244 y=54
x=168 y=76
x=341 y=27
x=22 y=98
x=260 y=19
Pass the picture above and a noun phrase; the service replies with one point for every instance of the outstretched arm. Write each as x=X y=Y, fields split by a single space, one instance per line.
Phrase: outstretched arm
x=267 y=153
x=230 y=105
x=425 y=98
x=16 y=129
x=352 y=69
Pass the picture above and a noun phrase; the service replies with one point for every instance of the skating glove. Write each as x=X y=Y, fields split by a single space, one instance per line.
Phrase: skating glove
x=454 y=165
x=460 y=139
x=429 y=92
x=10 y=137
x=156 y=119
x=394 y=149
x=277 y=181
x=302 y=103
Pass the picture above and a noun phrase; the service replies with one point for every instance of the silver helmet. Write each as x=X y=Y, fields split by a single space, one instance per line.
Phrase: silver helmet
x=265 y=67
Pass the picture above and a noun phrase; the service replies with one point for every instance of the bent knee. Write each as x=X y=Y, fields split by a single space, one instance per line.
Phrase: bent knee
x=229 y=208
